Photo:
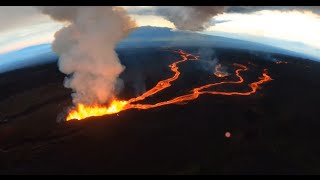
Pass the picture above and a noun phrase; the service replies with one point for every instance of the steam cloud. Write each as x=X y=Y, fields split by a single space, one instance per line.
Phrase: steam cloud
x=193 y=18
x=197 y=18
x=208 y=59
x=86 y=45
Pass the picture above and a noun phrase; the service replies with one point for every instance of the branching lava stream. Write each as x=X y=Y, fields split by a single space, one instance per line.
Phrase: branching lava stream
x=82 y=111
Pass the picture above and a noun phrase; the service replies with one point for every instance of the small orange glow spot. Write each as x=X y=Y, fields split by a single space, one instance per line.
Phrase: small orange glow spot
x=227 y=134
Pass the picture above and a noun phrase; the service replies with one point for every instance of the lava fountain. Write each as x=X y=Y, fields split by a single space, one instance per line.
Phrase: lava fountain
x=83 y=111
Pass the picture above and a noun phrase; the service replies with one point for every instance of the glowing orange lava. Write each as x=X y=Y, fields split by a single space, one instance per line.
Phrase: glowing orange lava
x=83 y=111
x=254 y=86
x=116 y=106
x=161 y=85
x=218 y=72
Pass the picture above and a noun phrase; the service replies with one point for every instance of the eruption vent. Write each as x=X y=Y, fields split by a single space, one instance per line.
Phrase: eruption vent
x=219 y=72
x=86 y=48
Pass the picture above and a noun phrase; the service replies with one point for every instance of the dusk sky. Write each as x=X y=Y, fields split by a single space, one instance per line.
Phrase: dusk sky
x=26 y=26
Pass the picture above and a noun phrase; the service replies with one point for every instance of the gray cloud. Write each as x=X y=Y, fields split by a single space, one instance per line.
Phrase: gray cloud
x=194 y=18
x=197 y=18
x=251 y=9
x=150 y=10
x=17 y=16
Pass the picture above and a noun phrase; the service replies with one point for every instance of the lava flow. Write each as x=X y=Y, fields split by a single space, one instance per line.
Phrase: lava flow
x=161 y=85
x=82 y=111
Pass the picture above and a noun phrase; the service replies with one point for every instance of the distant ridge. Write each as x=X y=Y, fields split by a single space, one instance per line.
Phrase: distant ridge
x=143 y=37
x=148 y=36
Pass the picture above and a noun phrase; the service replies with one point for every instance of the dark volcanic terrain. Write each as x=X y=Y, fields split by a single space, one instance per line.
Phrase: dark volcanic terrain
x=272 y=131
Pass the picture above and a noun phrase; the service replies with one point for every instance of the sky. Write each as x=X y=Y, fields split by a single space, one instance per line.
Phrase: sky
x=25 y=26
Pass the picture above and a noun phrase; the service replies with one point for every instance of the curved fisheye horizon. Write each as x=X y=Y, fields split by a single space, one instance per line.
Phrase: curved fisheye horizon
x=261 y=26
x=159 y=89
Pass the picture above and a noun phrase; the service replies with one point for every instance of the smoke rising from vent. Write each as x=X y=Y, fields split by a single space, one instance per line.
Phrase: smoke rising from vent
x=86 y=45
x=209 y=58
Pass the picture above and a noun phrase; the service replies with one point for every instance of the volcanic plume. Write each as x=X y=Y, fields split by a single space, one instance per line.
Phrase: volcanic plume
x=86 y=46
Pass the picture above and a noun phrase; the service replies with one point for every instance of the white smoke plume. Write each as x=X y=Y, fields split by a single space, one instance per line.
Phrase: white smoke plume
x=86 y=46
x=208 y=59
x=193 y=18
